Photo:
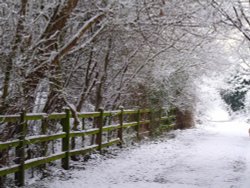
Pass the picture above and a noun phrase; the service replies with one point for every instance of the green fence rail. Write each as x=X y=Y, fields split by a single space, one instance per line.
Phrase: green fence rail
x=142 y=118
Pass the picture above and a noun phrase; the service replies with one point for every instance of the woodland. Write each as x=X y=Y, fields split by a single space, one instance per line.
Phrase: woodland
x=132 y=53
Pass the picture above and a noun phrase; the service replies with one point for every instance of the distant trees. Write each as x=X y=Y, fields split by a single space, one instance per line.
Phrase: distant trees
x=192 y=51
x=235 y=94
x=235 y=15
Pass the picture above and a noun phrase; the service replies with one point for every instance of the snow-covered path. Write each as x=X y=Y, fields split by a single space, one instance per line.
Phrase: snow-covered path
x=214 y=156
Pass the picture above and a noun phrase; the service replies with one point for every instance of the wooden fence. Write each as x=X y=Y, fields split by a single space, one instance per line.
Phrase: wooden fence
x=141 y=121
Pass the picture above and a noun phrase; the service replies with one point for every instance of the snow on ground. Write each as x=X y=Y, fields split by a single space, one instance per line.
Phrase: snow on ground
x=211 y=156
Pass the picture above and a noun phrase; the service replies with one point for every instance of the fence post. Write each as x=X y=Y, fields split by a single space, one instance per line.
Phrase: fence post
x=100 y=126
x=109 y=132
x=20 y=150
x=120 y=130
x=44 y=145
x=83 y=128
x=160 y=114
x=65 y=141
x=137 y=128
x=152 y=122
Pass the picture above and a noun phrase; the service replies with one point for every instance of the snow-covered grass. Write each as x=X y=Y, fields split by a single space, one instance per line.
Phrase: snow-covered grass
x=210 y=156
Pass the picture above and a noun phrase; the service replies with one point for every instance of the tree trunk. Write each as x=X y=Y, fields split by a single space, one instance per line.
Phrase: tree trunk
x=6 y=85
x=100 y=85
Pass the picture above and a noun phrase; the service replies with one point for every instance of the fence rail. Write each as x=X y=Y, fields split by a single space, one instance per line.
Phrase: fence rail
x=66 y=135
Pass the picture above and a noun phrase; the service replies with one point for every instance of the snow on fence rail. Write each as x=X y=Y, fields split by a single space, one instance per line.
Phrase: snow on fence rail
x=142 y=118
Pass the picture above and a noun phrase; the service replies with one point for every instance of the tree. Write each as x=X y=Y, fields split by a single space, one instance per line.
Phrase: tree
x=235 y=15
x=234 y=95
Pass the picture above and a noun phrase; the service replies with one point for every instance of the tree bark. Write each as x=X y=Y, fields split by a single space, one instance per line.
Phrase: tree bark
x=99 y=89
x=9 y=60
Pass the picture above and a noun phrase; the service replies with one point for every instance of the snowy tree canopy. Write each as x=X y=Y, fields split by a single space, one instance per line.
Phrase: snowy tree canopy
x=110 y=53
